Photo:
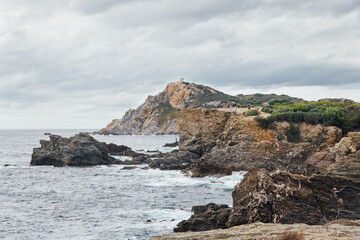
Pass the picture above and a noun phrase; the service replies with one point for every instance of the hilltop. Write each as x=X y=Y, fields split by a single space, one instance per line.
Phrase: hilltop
x=157 y=114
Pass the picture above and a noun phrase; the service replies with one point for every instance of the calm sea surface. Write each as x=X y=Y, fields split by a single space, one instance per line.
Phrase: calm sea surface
x=102 y=202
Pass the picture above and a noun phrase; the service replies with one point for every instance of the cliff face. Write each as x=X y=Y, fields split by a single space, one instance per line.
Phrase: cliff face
x=157 y=114
x=235 y=140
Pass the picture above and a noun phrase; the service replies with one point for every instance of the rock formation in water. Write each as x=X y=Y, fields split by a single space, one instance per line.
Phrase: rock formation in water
x=157 y=114
x=80 y=150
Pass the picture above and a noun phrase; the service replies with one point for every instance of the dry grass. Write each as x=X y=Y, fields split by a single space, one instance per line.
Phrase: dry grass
x=292 y=236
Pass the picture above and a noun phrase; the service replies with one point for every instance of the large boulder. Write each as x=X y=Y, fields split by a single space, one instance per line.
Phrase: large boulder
x=80 y=150
x=282 y=197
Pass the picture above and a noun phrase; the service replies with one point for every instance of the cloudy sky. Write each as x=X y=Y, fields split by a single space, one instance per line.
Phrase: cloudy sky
x=82 y=63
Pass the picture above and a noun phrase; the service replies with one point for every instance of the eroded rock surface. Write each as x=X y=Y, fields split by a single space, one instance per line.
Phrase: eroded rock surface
x=80 y=150
x=282 y=197
x=237 y=142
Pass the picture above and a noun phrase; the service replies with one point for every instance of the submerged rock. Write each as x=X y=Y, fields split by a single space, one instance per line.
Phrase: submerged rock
x=174 y=144
x=80 y=150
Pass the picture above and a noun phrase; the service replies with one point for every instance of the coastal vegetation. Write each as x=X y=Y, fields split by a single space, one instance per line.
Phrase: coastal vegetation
x=252 y=112
x=342 y=115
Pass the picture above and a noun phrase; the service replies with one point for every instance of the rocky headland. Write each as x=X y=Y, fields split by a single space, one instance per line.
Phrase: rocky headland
x=157 y=114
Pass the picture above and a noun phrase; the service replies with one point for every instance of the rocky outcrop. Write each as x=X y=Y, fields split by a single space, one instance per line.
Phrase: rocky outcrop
x=80 y=150
x=176 y=160
x=157 y=114
x=236 y=141
x=207 y=217
x=336 y=230
x=282 y=197
x=342 y=160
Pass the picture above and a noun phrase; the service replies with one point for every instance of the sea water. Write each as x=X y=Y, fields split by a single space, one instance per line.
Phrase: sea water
x=101 y=202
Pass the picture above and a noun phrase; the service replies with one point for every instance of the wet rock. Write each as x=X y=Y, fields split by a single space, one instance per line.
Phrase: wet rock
x=210 y=168
x=9 y=165
x=207 y=217
x=174 y=144
x=80 y=150
x=177 y=160
x=121 y=150
x=128 y=168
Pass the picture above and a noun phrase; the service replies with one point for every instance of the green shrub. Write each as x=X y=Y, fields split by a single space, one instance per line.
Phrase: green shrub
x=280 y=137
x=342 y=115
x=266 y=109
x=252 y=113
x=313 y=118
x=263 y=122
x=293 y=134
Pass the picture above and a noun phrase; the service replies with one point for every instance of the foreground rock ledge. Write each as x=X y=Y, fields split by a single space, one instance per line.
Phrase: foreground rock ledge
x=80 y=150
x=339 y=229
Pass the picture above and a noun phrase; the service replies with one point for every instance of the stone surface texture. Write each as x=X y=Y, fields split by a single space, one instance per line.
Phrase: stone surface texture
x=336 y=230
x=281 y=197
x=235 y=140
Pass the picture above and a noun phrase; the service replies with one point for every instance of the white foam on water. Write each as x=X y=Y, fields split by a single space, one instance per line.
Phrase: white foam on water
x=177 y=178
x=122 y=158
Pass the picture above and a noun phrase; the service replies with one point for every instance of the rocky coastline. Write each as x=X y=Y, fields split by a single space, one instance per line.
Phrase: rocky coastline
x=304 y=182
x=310 y=182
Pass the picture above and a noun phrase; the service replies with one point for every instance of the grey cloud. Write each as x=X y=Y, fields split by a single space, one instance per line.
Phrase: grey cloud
x=100 y=56
x=260 y=76
x=90 y=7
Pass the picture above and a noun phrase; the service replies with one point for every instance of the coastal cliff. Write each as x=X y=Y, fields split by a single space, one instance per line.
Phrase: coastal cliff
x=236 y=141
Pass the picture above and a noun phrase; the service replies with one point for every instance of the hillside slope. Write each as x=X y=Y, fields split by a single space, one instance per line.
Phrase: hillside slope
x=157 y=114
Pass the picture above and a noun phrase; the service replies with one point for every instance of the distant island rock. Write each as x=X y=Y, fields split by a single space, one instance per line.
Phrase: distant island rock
x=80 y=150
x=157 y=114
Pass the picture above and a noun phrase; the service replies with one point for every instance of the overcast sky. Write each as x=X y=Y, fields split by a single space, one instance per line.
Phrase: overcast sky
x=82 y=63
